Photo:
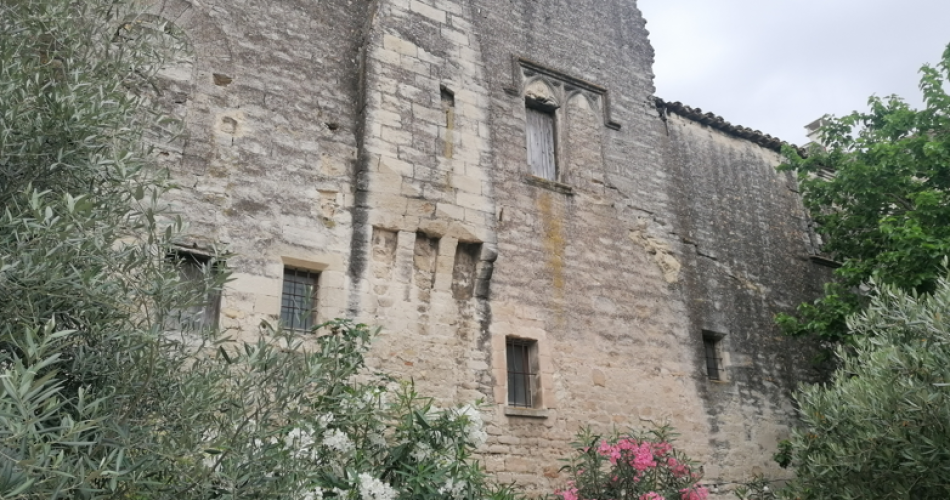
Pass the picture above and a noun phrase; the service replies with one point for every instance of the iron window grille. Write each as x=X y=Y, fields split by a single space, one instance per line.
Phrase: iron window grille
x=713 y=358
x=521 y=373
x=298 y=299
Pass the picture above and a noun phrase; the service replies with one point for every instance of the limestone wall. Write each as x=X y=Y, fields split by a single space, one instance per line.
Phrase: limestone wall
x=383 y=144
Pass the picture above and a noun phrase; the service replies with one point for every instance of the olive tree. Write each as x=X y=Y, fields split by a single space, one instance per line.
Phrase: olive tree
x=104 y=391
x=879 y=429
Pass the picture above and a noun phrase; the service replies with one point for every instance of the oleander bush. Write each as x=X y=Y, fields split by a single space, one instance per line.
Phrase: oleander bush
x=637 y=466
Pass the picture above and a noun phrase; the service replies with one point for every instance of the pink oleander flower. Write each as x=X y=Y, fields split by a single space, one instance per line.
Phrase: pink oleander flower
x=694 y=493
x=608 y=450
x=651 y=496
x=661 y=449
x=569 y=493
x=677 y=468
x=643 y=458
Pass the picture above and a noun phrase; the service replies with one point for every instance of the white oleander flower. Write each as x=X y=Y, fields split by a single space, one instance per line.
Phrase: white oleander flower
x=377 y=437
x=300 y=441
x=315 y=494
x=474 y=428
x=453 y=488
x=336 y=439
x=374 y=489
x=421 y=451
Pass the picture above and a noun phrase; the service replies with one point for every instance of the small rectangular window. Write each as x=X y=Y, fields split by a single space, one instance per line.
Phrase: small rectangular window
x=542 y=159
x=713 y=357
x=203 y=312
x=448 y=107
x=299 y=299
x=522 y=372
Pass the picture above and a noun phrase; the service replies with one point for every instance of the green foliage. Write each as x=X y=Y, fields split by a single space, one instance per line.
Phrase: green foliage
x=638 y=466
x=759 y=488
x=879 y=428
x=104 y=392
x=884 y=213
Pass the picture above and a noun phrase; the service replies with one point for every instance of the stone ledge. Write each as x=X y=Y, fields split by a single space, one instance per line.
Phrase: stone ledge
x=512 y=411
x=548 y=184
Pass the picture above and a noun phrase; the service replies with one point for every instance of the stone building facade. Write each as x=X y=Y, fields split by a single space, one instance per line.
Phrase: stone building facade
x=380 y=149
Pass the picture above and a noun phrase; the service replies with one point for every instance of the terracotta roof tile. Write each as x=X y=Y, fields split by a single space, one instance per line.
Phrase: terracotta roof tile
x=719 y=123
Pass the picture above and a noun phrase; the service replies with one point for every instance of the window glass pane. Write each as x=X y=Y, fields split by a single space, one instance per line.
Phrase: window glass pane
x=297 y=301
x=519 y=374
x=712 y=358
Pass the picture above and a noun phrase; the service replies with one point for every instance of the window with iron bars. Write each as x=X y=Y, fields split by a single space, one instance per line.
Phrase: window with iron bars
x=711 y=349
x=522 y=372
x=298 y=301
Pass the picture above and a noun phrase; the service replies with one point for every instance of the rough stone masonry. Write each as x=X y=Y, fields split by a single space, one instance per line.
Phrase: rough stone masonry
x=381 y=149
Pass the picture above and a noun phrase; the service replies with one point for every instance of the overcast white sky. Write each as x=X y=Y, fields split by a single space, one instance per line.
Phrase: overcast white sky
x=776 y=65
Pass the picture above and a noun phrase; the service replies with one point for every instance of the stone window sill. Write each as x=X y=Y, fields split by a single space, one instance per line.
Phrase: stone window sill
x=512 y=411
x=549 y=184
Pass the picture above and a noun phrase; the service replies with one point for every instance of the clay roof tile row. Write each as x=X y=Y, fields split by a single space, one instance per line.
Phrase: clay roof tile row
x=719 y=123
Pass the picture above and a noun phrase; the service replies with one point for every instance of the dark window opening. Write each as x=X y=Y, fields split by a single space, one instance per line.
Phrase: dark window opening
x=202 y=312
x=521 y=373
x=448 y=107
x=713 y=357
x=299 y=299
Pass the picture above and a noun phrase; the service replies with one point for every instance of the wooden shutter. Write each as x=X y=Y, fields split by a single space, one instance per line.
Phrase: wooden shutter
x=540 y=134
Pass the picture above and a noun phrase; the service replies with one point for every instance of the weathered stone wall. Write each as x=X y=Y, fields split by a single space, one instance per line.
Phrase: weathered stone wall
x=382 y=143
x=267 y=166
x=746 y=258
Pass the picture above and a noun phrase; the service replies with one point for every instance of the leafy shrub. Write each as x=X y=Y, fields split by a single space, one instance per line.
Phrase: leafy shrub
x=641 y=466
x=879 y=428
x=759 y=488
x=104 y=392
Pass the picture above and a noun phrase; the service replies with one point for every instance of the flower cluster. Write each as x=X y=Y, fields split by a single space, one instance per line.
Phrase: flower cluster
x=642 y=467
x=474 y=427
x=694 y=493
x=347 y=435
x=374 y=489
x=336 y=439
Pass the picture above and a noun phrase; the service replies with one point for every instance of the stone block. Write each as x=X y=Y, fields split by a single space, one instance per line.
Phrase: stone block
x=427 y=11
x=399 y=45
x=454 y=36
x=473 y=201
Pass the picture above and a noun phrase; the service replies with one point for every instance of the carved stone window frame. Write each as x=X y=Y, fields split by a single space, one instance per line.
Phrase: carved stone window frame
x=525 y=71
x=546 y=88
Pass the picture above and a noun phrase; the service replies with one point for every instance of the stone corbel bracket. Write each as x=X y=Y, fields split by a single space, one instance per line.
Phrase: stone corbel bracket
x=523 y=69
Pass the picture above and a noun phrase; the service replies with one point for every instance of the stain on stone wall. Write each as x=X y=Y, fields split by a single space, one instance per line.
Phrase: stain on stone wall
x=383 y=144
